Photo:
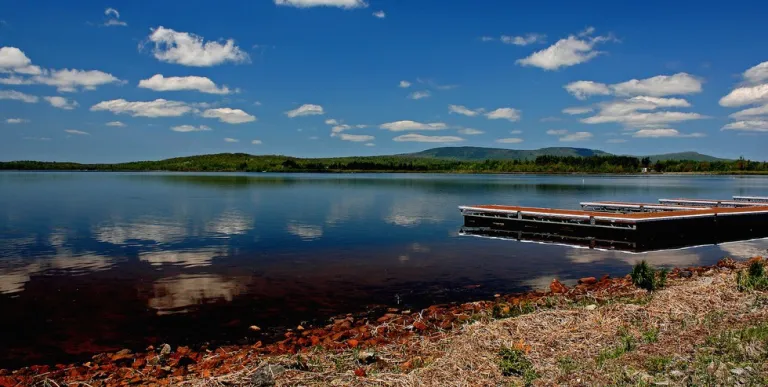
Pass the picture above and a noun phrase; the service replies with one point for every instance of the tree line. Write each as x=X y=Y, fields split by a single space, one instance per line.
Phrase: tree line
x=239 y=162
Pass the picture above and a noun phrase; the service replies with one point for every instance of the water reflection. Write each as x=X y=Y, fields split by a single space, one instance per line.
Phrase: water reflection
x=183 y=258
x=306 y=232
x=152 y=230
x=176 y=294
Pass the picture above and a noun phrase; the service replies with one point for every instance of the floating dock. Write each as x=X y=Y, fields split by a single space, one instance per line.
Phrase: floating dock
x=751 y=199
x=640 y=225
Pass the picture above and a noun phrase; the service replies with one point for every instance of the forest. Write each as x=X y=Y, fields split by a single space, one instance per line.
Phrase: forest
x=240 y=162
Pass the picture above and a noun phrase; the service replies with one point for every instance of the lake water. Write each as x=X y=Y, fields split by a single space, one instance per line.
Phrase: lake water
x=95 y=262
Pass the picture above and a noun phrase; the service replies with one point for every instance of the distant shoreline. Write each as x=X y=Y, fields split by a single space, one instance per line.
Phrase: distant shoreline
x=351 y=172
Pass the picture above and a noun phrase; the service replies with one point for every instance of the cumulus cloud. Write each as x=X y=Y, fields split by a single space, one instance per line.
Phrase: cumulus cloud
x=523 y=40
x=190 y=50
x=202 y=84
x=113 y=18
x=347 y=4
x=190 y=128
x=380 y=14
x=420 y=94
x=578 y=136
x=355 y=137
x=256 y=142
x=566 y=52
x=632 y=112
x=658 y=86
x=18 y=96
x=401 y=126
x=636 y=119
x=414 y=137
x=229 y=139
x=757 y=74
x=404 y=84
x=115 y=124
x=61 y=102
x=305 y=110
x=23 y=72
x=463 y=110
x=578 y=110
x=511 y=140
x=16 y=121
x=77 y=132
x=470 y=131
x=156 y=108
x=746 y=96
x=751 y=112
x=13 y=59
x=748 y=126
x=664 y=133
x=584 y=89
x=228 y=115
x=504 y=114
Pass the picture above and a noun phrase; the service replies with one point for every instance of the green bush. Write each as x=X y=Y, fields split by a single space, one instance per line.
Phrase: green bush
x=754 y=279
x=646 y=277
x=514 y=363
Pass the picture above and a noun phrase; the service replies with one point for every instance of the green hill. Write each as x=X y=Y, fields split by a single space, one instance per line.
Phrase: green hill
x=471 y=153
x=691 y=156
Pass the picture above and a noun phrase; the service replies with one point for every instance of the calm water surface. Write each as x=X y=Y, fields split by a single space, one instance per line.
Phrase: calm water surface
x=94 y=262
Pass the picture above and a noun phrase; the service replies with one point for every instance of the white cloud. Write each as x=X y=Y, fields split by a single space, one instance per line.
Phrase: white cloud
x=190 y=128
x=630 y=112
x=67 y=80
x=115 y=23
x=347 y=4
x=230 y=116
x=400 y=126
x=202 y=84
x=331 y=121
x=404 y=84
x=584 y=89
x=116 y=124
x=635 y=119
x=77 y=132
x=578 y=136
x=746 y=96
x=61 y=102
x=361 y=126
x=557 y=132
x=515 y=131
x=463 y=110
x=340 y=128
x=414 y=137
x=487 y=38
x=748 y=126
x=665 y=133
x=757 y=73
x=504 y=113
x=257 y=103
x=229 y=139
x=112 y=12
x=751 y=112
x=256 y=142
x=356 y=137
x=16 y=121
x=189 y=49
x=380 y=14
x=420 y=94
x=660 y=85
x=18 y=96
x=114 y=18
x=616 y=141
x=370 y=144
x=511 y=140
x=156 y=108
x=578 y=110
x=305 y=110
x=13 y=59
x=566 y=52
x=470 y=131
x=621 y=107
x=523 y=40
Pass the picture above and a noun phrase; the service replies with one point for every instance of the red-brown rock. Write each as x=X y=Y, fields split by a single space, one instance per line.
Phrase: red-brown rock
x=557 y=287
x=360 y=372
x=588 y=281
x=420 y=325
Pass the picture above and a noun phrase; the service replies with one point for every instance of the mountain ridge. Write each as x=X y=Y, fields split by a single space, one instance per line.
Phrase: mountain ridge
x=471 y=153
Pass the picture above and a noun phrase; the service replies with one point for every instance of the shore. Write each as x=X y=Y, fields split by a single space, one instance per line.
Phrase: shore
x=699 y=329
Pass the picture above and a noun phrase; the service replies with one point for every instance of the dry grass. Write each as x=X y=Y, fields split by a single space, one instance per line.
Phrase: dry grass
x=567 y=344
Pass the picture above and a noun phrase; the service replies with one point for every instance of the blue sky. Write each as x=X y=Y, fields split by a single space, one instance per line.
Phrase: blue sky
x=95 y=81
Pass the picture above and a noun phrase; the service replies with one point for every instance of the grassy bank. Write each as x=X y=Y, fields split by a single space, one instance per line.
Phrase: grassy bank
x=699 y=326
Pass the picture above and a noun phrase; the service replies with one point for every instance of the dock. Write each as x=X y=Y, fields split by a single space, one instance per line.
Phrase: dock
x=672 y=223
x=751 y=199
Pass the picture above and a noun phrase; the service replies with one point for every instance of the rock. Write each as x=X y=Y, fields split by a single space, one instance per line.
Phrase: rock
x=738 y=371
x=557 y=287
x=352 y=343
x=265 y=376
x=254 y=328
x=165 y=350
x=386 y=317
x=299 y=328
x=588 y=281
x=676 y=374
x=686 y=274
x=360 y=372
x=590 y=307
x=419 y=325
x=366 y=357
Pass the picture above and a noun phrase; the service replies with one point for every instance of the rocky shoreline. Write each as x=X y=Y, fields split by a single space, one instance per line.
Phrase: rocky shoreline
x=365 y=336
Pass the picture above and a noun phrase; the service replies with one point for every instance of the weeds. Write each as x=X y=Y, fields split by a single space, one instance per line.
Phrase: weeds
x=567 y=365
x=626 y=344
x=754 y=279
x=647 y=277
x=503 y=310
x=657 y=364
x=514 y=363
x=651 y=335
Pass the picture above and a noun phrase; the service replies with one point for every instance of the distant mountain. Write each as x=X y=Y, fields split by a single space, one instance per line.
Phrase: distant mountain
x=471 y=153
x=692 y=156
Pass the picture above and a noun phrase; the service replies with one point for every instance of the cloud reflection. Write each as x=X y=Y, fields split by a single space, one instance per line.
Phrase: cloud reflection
x=184 y=258
x=176 y=294
x=143 y=230
x=306 y=232
x=230 y=223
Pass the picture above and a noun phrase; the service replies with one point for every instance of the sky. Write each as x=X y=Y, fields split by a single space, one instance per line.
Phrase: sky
x=94 y=81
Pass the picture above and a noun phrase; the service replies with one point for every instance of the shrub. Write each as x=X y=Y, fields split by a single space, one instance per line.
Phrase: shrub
x=754 y=279
x=514 y=363
x=646 y=277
